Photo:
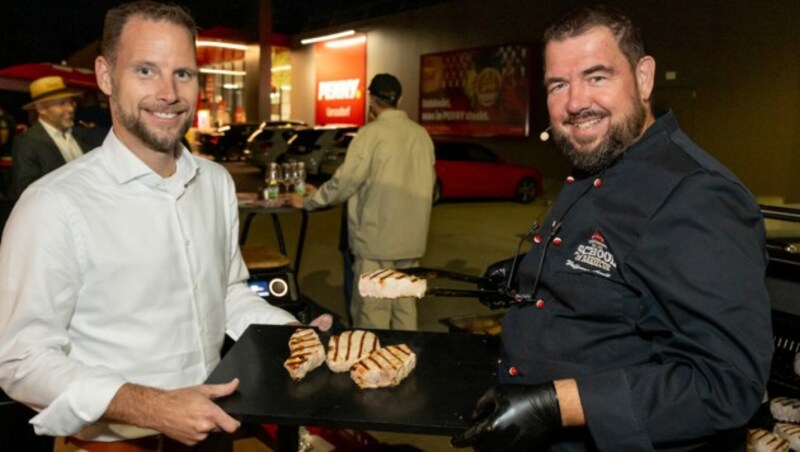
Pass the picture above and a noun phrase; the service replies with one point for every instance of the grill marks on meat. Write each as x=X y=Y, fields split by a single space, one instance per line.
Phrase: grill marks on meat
x=388 y=283
x=785 y=409
x=359 y=351
x=306 y=353
x=789 y=432
x=764 y=441
x=385 y=367
x=350 y=347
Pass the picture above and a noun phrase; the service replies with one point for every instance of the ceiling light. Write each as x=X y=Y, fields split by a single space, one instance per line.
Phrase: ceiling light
x=328 y=37
x=221 y=71
x=346 y=42
x=222 y=45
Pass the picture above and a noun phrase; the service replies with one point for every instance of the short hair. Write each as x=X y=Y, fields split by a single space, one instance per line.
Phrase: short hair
x=383 y=102
x=118 y=17
x=580 y=20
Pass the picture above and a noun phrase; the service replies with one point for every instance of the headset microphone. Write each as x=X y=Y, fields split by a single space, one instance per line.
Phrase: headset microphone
x=545 y=135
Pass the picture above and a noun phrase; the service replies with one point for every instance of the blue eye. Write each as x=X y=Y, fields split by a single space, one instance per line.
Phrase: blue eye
x=184 y=75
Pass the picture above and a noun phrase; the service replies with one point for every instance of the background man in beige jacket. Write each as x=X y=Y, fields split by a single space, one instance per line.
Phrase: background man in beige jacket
x=387 y=180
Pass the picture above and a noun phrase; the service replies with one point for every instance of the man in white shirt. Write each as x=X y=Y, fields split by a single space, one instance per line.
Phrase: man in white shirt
x=53 y=139
x=121 y=273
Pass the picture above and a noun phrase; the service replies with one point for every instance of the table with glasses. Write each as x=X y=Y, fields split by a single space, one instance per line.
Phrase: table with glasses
x=251 y=206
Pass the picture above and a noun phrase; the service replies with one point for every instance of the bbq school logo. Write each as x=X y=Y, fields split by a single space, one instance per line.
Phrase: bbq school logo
x=593 y=257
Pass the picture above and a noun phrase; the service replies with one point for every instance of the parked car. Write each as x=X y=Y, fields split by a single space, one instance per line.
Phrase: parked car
x=226 y=142
x=335 y=157
x=470 y=170
x=267 y=143
x=312 y=145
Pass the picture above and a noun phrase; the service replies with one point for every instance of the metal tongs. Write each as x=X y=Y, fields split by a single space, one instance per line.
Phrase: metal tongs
x=496 y=293
x=490 y=293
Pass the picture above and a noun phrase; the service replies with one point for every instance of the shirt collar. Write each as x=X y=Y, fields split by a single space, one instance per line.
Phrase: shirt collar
x=54 y=132
x=392 y=113
x=126 y=166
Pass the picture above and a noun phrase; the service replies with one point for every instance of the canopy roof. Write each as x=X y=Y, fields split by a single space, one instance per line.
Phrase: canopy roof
x=17 y=78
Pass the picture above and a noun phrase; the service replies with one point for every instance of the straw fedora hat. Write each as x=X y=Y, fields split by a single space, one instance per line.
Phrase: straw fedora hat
x=48 y=88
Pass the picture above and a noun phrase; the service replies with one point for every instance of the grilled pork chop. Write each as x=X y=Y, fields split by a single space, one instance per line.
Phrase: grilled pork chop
x=386 y=366
x=388 y=283
x=349 y=347
x=306 y=353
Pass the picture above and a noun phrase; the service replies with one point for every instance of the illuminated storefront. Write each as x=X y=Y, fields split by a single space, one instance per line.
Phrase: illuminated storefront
x=223 y=93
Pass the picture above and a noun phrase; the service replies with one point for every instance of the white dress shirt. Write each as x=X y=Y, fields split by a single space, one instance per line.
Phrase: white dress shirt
x=111 y=274
x=66 y=143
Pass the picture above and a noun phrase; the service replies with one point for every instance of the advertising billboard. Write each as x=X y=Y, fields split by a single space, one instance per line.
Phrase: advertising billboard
x=476 y=92
x=341 y=80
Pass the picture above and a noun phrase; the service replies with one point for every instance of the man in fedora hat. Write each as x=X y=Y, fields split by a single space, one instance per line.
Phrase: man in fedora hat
x=53 y=140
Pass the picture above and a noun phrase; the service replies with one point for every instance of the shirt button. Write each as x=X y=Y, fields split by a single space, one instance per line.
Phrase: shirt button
x=570 y=179
x=513 y=371
x=188 y=243
x=557 y=241
x=598 y=183
x=537 y=238
x=539 y=304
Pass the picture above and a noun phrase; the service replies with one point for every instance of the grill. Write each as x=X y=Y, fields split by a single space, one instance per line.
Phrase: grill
x=783 y=283
x=786 y=339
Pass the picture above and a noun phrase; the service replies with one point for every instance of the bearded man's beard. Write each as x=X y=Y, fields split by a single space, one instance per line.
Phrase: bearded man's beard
x=620 y=136
x=132 y=122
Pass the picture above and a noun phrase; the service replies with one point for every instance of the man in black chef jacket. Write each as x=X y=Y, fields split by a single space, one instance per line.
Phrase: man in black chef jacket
x=645 y=321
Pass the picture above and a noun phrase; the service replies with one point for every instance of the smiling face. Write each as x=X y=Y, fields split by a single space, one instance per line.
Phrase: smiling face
x=152 y=84
x=598 y=104
x=59 y=113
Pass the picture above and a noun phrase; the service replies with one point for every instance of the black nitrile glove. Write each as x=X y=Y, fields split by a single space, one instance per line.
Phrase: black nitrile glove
x=513 y=418
x=495 y=284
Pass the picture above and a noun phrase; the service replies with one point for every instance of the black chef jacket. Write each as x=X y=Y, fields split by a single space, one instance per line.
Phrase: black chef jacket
x=651 y=295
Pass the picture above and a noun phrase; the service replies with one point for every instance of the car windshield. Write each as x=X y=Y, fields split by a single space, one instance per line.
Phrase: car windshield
x=306 y=137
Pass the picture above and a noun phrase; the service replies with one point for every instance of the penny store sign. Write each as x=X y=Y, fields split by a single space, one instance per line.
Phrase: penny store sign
x=476 y=92
x=341 y=80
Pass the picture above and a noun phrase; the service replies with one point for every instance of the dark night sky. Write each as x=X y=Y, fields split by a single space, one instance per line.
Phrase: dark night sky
x=51 y=30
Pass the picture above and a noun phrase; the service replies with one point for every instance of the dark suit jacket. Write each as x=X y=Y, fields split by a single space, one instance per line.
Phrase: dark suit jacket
x=35 y=154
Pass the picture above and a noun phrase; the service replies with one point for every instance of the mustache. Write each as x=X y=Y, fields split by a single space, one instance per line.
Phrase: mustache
x=177 y=107
x=585 y=114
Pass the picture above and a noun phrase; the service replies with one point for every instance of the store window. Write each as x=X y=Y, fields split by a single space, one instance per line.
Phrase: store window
x=222 y=75
x=222 y=84
x=280 y=94
x=222 y=93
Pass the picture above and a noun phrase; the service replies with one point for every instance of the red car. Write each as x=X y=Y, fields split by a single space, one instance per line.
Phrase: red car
x=469 y=170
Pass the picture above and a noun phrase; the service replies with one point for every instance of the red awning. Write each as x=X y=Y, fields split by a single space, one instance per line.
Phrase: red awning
x=73 y=77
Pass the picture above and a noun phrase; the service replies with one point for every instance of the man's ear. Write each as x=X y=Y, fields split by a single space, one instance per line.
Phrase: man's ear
x=645 y=76
x=102 y=70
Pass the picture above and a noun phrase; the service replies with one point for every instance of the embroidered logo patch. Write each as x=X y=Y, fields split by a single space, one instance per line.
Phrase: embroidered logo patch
x=593 y=257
